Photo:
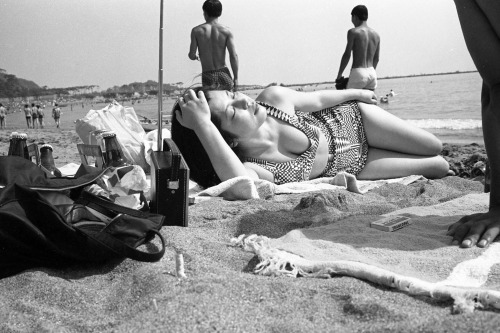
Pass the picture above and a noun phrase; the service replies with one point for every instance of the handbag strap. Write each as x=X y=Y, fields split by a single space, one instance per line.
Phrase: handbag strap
x=107 y=207
x=126 y=250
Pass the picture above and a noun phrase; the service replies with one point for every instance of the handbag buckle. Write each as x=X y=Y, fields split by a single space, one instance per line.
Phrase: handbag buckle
x=173 y=184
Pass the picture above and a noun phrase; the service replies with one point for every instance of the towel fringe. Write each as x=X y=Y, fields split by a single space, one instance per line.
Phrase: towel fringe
x=275 y=262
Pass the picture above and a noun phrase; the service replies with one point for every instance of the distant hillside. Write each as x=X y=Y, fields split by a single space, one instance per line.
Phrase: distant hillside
x=12 y=86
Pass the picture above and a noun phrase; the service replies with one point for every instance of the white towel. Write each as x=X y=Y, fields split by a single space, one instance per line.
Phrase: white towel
x=244 y=187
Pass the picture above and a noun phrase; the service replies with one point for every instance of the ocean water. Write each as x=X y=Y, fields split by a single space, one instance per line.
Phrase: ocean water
x=447 y=105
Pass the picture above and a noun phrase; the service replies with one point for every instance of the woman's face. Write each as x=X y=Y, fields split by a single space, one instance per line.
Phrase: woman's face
x=239 y=115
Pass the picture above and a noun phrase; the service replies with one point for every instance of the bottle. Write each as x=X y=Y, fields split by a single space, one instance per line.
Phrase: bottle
x=18 y=146
x=13 y=143
x=97 y=134
x=47 y=160
x=113 y=154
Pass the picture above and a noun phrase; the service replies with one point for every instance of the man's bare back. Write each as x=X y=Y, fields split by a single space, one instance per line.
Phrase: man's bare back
x=211 y=40
x=365 y=47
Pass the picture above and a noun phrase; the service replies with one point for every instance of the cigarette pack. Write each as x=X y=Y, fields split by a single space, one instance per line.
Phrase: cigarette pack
x=391 y=223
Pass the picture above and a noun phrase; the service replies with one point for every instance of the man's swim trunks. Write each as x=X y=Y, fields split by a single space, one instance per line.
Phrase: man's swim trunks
x=219 y=79
x=343 y=129
x=362 y=78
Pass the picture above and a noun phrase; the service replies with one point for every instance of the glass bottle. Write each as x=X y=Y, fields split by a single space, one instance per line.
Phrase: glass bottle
x=99 y=139
x=113 y=154
x=18 y=145
x=13 y=143
x=47 y=160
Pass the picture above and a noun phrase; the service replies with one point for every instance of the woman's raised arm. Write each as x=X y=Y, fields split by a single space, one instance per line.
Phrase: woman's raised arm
x=317 y=100
x=195 y=115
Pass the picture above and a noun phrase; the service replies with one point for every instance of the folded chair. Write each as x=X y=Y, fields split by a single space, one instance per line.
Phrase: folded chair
x=34 y=152
x=94 y=151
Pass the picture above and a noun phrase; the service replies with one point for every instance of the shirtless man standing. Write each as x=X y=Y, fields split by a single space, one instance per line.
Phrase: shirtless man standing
x=211 y=39
x=364 y=42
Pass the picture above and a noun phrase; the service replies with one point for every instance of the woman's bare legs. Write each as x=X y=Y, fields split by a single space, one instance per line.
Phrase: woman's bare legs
x=384 y=164
x=399 y=149
x=388 y=132
x=480 y=21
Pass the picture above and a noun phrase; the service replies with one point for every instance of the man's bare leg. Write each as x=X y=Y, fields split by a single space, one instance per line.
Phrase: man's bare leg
x=480 y=21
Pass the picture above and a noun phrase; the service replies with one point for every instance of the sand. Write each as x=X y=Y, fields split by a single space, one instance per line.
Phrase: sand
x=220 y=293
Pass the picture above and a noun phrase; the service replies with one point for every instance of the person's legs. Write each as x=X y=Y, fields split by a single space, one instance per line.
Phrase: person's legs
x=481 y=29
x=384 y=164
x=388 y=132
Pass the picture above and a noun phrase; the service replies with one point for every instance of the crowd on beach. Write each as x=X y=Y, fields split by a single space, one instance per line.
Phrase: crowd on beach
x=34 y=114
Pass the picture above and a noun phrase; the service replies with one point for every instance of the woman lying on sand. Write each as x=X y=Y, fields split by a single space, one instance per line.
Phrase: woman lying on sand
x=285 y=136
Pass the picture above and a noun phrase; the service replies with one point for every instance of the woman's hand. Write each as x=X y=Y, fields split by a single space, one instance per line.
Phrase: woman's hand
x=195 y=110
x=367 y=96
x=480 y=229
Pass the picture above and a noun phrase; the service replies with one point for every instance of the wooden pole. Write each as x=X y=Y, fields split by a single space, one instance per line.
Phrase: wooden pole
x=160 y=82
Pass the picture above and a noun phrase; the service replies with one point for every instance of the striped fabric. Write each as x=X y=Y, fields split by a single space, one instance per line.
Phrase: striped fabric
x=343 y=128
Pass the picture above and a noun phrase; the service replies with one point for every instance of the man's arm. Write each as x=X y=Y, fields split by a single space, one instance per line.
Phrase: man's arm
x=233 y=58
x=347 y=53
x=193 y=47
x=376 y=56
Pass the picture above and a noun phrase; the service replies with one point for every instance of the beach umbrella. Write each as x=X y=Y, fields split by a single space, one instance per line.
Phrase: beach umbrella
x=160 y=81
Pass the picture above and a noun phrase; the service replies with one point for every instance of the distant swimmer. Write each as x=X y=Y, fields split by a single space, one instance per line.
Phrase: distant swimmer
x=384 y=99
x=392 y=93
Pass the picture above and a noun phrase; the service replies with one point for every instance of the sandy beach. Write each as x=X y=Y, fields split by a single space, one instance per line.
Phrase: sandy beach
x=221 y=293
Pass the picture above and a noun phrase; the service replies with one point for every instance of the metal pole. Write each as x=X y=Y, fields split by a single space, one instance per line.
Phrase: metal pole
x=160 y=82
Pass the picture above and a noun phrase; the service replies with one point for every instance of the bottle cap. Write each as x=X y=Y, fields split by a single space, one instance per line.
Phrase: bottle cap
x=108 y=134
x=46 y=145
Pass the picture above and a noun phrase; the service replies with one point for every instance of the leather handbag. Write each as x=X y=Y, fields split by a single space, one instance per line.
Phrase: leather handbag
x=41 y=225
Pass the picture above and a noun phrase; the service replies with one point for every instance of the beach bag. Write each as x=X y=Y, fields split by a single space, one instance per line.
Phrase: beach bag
x=124 y=122
x=41 y=225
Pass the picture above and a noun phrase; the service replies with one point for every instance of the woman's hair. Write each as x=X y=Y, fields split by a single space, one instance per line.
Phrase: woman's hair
x=201 y=169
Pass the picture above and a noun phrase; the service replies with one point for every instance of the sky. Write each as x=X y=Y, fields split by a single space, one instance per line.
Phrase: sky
x=64 y=43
